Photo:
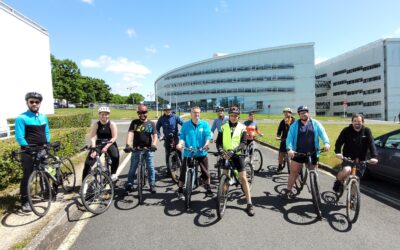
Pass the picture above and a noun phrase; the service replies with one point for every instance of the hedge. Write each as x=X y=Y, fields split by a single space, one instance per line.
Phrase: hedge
x=71 y=139
x=66 y=121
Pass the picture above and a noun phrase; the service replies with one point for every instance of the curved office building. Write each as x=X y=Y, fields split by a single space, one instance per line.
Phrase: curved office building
x=264 y=80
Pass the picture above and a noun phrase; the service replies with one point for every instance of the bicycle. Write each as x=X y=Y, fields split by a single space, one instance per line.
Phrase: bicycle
x=47 y=167
x=254 y=156
x=286 y=158
x=311 y=174
x=174 y=159
x=352 y=186
x=230 y=177
x=97 y=189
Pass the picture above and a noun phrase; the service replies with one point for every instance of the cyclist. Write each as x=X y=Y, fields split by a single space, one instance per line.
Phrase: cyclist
x=169 y=123
x=303 y=137
x=196 y=134
x=231 y=140
x=221 y=120
x=251 y=129
x=281 y=134
x=101 y=130
x=142 y=133
x=31 y=127
x=356 y=140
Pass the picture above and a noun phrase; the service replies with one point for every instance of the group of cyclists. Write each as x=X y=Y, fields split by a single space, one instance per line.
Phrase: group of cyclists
x=297 y=136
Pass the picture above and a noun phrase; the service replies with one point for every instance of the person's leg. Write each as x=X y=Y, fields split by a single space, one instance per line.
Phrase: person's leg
x=132 y=169
x=294 y=172
x=167 y=147
x=114 y=154
x=27 y=165
x=205 y=175
x=149 y=158
x=88 y=165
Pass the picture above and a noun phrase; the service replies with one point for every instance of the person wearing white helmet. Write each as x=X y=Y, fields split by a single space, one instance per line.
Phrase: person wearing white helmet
x=101 y=130
x=281 y=134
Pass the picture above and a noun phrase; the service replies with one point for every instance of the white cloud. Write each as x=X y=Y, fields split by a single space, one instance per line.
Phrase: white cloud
x=125 y=89
x=167 y=46
x=88 y=63
x=119 y=65
x=320 y=59
x=222 y=6
x=88 y=1
x=130 y=32
x=150 y=50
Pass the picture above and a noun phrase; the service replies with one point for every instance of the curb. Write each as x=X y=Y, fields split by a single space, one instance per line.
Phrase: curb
x=55 y=231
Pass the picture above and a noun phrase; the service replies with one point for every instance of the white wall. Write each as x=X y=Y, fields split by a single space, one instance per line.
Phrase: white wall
x=393 y=78
x=24 y=64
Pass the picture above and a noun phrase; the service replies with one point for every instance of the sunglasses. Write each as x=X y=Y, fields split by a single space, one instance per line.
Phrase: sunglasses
x=34 y=102
x=142 y=112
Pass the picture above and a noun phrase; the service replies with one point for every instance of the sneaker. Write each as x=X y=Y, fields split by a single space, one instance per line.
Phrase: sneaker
x=180 y=195
x=114 y=177
x=250 y=210
x=153 y=189
x=336 y=186
x=128 y=188
x=280 y=168
x=286 y=194
x=26 y=208
x=209 y=193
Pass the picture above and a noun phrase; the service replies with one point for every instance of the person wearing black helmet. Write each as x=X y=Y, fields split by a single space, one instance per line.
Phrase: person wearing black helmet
x=281 y=134
x=169 y=123
x=231 y=141
x=31 y=127
x=221 y=120
x=303 y=137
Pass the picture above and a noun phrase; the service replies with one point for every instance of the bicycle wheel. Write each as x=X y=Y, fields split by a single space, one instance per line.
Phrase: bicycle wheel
x=174 y=167
x=222 y=195
x=189 y=187
x=301 y=180
x=316 y=198
x=353 y=201
x=140 y=182
x=257 y=160
x=68 y=176
x=97 y=192
x=39 y=193
x=249 y=174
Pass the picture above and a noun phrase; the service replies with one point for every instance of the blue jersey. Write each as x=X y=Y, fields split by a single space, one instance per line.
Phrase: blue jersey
x=169 y=124
x=218 y=123
x=32 y=128
x=195 y=136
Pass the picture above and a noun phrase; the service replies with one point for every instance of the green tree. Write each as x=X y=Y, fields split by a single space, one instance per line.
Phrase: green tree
x=135 y=98
x=118 y=99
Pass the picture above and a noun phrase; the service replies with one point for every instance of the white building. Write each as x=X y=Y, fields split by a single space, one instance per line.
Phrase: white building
x=24 y=64
x=367 y=79
x=265 y=80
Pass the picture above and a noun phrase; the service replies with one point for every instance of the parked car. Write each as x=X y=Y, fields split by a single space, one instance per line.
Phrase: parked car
x=71 y=105
x=388 y=167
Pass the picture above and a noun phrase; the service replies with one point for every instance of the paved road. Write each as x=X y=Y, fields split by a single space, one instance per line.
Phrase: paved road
x=162 y=222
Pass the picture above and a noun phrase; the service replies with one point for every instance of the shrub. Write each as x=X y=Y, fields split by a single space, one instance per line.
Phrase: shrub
x=66 y=121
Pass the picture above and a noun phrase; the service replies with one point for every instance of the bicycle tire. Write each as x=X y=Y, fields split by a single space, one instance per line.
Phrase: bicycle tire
x=141 y=182
x=301 y=180
x=257 y=160
x=39 y=193
x=189 y=188
x=316 y=198
x=174 y=166
x=97 y=192
x=353 y=201
x=68 y=175
x=222 y=195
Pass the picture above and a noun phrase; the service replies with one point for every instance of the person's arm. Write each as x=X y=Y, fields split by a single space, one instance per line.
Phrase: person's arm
x=158 y=127
x=154 y=139
x=280 y=129
x=93 y=134
x=114 y=134
x=371 y=145
x=20 y=131
x=324 y=137
x=340 y=141
x=219 y=142
x=182 y=136
x=130 y=135
x=47 y=131
x=180 y=121
x=207 y=134
x=214 y=126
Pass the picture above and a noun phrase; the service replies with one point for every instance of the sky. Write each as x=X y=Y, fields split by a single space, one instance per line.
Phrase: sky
x=130 y=43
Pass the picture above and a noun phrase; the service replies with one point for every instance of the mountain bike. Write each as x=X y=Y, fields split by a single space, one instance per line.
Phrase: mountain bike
x=308 y=172
x=97 y=189
x=49 y=172
x=254 y=156
x=228 y=178
x=174 y=159
x=352 y=185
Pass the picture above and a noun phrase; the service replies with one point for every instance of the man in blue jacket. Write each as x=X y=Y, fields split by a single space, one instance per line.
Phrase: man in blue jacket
x=303 y=137
x=169 y=124
x=195 y=134
x=31 y=127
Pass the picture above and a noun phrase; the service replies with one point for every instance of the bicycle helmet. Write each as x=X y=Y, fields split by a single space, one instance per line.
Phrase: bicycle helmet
x=302 y=108
x=104 y=109
x=234 y=110
x=33 y=95
x=287 y=110
x=219 y=108
x=167 y=107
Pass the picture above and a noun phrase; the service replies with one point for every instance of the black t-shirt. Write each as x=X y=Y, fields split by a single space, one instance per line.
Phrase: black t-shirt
x=142 y=132
x=104 y=131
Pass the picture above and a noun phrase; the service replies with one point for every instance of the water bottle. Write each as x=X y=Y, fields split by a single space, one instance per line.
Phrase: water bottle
x=51 y=170
x=236 y=173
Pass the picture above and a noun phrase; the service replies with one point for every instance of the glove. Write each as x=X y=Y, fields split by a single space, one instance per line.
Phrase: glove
x=339 y=156
x=153 y=148
x=127 y=148
x=230 y=153
x=326 y=147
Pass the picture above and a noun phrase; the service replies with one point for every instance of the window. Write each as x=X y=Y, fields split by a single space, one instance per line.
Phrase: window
x=354 y=69
x=374 y=103
x=372 y=91
x=321 y=94
x=373 y=66
x=321 y=76
x=354 y=81
x=393 y=141
x=375 y=78
x=339 y=72
x=260 y=105
x=339 y=93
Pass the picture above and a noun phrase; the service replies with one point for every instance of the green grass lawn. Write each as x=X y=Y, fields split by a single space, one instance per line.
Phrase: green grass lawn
x=333 y=130
x=116 y=114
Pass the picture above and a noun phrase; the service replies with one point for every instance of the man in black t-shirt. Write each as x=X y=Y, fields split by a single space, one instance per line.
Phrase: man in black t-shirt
x=142 y=133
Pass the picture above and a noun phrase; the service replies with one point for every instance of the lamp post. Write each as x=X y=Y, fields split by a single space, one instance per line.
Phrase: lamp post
x=130 y=93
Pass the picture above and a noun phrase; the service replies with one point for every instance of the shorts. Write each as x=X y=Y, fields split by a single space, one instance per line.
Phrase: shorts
x=282 y=147
x=360 y=168
x=237 y=163
x=304 y=159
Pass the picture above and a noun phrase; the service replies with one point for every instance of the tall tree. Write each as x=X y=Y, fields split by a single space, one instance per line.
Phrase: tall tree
x=135 y=98
x=118 y=99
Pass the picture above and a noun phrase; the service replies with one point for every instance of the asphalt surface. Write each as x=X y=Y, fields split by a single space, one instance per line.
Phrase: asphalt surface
x=162 y=222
